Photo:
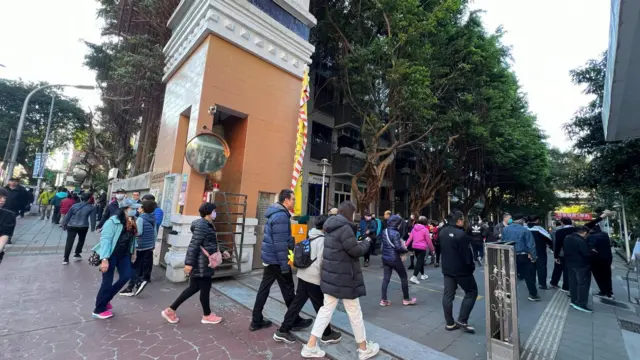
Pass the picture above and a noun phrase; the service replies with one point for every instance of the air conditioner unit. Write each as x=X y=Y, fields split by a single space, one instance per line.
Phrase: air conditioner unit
x=113 y=173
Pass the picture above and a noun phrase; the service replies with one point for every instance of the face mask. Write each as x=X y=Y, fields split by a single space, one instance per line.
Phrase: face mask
x=131 y=212
x=510 y=221
x=119 y=197
x=213 y=215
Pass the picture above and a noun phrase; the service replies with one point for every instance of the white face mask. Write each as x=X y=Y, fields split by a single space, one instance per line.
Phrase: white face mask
x=131 y=212
x=213 y=215
x=119 y=197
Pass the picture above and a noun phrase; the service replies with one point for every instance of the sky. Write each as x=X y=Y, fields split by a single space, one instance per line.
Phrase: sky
x=41 y=40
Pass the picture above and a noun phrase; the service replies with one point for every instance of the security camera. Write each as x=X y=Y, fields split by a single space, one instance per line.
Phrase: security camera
x=213 y=109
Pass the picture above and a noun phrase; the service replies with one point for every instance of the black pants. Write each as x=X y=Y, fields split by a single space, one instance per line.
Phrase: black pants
x=419 y=268
x=1 y=256
x=305 y=291
x=141 y=268
x=541 y=268
x=579 y=284
x=202 y=284
x=470 y=288
x=437 y=247
x=602 y=274
x=478 y=250
x=55 y=218
x=71 y=237
x=527 y=271
x=372 y=248
x=560 y=270
x=398 y=266
x=271 y=274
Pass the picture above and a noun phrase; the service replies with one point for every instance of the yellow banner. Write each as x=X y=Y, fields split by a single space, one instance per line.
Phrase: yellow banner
x=301 y=144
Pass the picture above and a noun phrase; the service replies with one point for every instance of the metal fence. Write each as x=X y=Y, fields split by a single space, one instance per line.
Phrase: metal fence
x=500 y=281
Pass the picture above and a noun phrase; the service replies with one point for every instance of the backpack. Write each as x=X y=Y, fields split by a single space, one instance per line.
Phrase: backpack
x=302 y=254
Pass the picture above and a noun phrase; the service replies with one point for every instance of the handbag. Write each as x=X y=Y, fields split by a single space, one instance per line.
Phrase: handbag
x=215 y=259
x=94 y=259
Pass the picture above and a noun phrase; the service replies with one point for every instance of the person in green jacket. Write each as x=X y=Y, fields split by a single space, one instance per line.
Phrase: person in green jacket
x=44 y=200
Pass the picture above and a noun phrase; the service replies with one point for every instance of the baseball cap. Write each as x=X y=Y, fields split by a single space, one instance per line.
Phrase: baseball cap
x=128 y=203
x=121 y=191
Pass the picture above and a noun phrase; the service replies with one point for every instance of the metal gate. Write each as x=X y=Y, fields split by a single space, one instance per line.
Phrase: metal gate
x=231 y=210
x=500 y=281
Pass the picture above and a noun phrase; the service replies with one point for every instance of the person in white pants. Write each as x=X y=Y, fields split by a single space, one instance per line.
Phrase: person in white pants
x=341 y=279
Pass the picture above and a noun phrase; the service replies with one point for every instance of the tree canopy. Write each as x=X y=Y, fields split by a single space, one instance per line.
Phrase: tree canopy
x=69 y=120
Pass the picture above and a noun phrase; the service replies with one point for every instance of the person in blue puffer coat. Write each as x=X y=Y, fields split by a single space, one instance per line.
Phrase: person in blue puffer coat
x=392 y=251
x=142 y=267
x=276 y=244
x=157 y=213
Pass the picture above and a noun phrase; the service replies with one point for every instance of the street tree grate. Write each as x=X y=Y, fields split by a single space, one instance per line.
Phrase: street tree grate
x=629 y=326
x=618 y=304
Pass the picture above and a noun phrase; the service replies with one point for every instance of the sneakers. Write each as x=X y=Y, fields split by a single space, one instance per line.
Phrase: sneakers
x=170 y=316
x=372 y=350
x=412 y=301
x=534 y=298
x=565 y=291
x=414 y=280
x=103 y=315
x=366 y=264
x=65 y=262
x=332 y=338
x=436 y=265
x=77 y=257
x=585 y=309
x=424 y=277
x=466 y=327
x=128 y=291
x=262 y=325
x=411 y=267
x=553 y=286
x=109 y=307
x=141 y=287
x=211 y=319
x=286 y=337
x=314 y=352
x=385 y=303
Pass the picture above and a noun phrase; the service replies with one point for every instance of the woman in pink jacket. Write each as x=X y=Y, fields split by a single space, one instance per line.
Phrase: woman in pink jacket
x=420 y=242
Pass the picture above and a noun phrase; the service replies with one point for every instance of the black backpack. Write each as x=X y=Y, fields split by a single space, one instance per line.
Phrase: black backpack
x=302 y=254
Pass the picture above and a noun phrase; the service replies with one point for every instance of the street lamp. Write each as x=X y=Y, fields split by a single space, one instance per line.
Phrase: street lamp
x=325 y=164
x=626 y=229
x=448 y=203
x=23 y=115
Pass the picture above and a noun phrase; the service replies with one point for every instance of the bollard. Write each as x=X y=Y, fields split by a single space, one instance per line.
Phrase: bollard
x=500 y=281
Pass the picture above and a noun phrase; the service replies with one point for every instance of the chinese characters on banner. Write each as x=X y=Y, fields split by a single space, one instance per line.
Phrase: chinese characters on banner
x=574 y=216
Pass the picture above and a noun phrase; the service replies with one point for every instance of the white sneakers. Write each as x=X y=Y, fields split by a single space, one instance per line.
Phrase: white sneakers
x=372 y=350
x=424 y=277
x=314 y=352
x=414 y=280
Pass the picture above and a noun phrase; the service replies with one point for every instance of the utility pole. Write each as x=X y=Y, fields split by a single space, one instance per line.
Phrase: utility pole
x=43 y=157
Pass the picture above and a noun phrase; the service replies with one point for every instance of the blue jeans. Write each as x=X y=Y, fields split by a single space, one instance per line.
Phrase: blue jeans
x=108 y=289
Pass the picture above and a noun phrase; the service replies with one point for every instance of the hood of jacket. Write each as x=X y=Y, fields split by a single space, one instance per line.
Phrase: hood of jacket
x=420 y=227
x=61 y=195
x=394 y=222
x=335 y=222
x=314 y=233
x=276 y=208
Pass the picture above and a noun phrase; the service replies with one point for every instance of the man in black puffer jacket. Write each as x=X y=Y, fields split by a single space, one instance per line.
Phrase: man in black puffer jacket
x=457 y=268
x=276 y=244
x=600 y=242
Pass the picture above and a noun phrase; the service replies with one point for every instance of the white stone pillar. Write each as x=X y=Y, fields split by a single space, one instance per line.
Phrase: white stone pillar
x=174 y=258
x=248 y=244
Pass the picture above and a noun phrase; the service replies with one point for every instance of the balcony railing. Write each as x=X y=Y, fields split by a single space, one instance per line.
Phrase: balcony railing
x=320 y=151
x=345 y=165
x=344 y=115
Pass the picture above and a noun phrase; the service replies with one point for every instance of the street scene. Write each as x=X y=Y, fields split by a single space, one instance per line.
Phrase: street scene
x=383 y=179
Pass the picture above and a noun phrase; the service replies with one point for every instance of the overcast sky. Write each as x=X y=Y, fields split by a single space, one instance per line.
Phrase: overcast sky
x=41 y=40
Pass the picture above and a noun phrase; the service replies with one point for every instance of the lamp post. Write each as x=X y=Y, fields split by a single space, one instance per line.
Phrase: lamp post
x=626 y=229
x=324 y=163
x=448 y=203
x=23 y=115
x=44 y=147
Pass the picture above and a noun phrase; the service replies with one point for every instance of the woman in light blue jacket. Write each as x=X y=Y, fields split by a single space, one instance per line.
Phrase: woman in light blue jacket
x=116 y=250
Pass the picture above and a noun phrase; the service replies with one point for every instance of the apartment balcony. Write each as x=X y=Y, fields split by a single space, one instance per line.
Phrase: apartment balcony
x=320 y=151
x=345 y=116
x=346 y=165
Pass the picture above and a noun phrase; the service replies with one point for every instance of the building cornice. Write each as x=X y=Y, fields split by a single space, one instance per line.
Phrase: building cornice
x=240 y=23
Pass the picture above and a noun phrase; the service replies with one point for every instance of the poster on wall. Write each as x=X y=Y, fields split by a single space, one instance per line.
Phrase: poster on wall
x=168 y=195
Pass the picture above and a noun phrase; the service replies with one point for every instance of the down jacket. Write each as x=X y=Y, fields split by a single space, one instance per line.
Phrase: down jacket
x=420 y=238
x=341 y=274
x=392 y=240
x=277 y=237
x=204 y=234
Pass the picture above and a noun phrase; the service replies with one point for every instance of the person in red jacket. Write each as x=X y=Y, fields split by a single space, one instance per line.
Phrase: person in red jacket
x=66 y=204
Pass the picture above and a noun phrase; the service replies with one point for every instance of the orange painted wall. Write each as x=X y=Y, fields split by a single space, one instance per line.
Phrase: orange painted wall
x=243 y=82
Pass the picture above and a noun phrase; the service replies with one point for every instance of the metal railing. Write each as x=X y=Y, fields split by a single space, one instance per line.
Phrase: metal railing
x=500 y=281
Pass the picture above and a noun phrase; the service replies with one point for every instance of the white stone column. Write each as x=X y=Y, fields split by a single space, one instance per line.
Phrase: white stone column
x=174 y=258
x=248 y=244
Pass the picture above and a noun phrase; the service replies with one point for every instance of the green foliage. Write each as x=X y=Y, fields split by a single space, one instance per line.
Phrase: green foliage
x=68 y=120
x=614 y=167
